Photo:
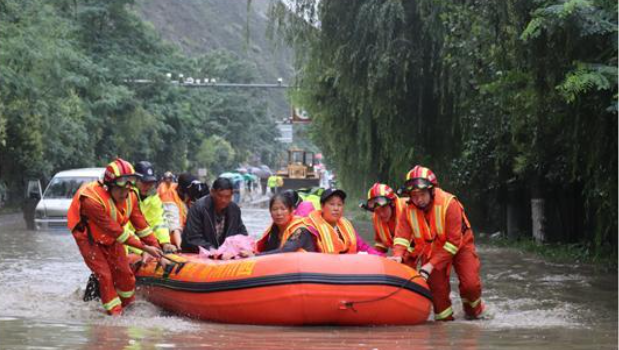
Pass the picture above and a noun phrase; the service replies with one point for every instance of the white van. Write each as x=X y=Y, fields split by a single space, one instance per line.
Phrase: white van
x=51 y=210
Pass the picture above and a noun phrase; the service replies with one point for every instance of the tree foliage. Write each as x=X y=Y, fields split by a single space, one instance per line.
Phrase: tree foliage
x=216 y=154
x=491 y=94
x=65 y=101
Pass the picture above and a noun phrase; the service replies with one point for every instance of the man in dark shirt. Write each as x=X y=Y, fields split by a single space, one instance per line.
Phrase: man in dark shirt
x=212 y=219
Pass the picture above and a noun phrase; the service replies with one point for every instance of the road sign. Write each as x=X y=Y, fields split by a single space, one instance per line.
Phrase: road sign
x=299 y=116
x=285 y=130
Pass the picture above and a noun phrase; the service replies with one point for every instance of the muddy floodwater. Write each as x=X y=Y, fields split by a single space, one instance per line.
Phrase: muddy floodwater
x=533 y=304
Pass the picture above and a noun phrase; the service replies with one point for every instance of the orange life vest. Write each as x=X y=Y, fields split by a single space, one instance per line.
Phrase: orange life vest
x=329 y=241
x=425 y=233
x=118 y=212
x=384 y=235
x=168 y=194
x=292 y=226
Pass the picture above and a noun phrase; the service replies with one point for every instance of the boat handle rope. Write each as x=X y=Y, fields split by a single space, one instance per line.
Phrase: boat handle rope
x=169 y=267
x=346 y=305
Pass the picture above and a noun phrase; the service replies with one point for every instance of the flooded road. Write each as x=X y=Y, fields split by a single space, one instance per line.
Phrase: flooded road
x=533 y=304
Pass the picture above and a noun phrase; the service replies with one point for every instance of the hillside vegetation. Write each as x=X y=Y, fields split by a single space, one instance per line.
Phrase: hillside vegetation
x=198 y=27
x=65 y=102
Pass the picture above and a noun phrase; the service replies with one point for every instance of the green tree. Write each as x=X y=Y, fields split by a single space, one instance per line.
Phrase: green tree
x=492 y=95
x=67 y=98
x=216 y=154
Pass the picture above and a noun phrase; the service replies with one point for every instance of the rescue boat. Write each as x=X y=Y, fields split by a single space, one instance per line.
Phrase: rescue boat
x=289 y=289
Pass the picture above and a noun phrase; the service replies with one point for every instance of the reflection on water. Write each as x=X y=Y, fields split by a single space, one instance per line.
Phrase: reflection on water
x=533 y=305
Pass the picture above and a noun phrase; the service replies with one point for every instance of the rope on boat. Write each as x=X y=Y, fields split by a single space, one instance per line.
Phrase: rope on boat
x=345 y=305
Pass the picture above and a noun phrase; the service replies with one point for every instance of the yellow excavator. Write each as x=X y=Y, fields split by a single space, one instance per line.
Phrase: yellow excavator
x=300 y=171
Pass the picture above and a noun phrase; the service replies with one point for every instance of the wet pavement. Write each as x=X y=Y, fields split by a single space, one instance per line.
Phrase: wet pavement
x=532 y=303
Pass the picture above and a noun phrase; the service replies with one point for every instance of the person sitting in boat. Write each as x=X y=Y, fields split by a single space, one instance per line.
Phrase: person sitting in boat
x=285 y=235
x=190 y=189
x=335 y=234
x=301 y=207
x=212 y=219
x=177 y=199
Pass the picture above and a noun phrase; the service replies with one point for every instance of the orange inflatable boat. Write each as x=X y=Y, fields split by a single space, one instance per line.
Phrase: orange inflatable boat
x=289 y=289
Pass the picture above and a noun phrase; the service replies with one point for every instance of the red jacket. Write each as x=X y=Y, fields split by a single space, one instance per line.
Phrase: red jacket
x=441 y=238
x=106 y=219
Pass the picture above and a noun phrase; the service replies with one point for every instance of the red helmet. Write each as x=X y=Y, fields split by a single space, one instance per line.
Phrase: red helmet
x=420 y=178
x=380 y=195
x=120 y=173
x=381 y=190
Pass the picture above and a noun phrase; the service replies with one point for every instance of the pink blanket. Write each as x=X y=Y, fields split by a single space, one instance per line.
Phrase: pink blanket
x=237 y=246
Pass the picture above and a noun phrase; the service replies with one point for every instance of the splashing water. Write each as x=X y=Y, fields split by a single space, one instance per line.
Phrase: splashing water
x=531 y=304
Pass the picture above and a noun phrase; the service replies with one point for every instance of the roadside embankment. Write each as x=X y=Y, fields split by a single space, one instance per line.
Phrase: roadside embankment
x=577 y=253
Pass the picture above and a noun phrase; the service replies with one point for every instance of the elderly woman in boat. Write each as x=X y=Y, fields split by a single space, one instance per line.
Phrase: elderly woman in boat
x=324 y=231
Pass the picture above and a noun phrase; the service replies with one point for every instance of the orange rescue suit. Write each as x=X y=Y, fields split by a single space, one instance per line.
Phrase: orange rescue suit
x=384 y=232
x=442 y=235
x=98 y=226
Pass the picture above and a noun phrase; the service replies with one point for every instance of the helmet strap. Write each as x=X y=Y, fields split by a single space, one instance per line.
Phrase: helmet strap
x=107 y=185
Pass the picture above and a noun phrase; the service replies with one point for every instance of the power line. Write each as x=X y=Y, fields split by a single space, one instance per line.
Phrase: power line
x=212 y=83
